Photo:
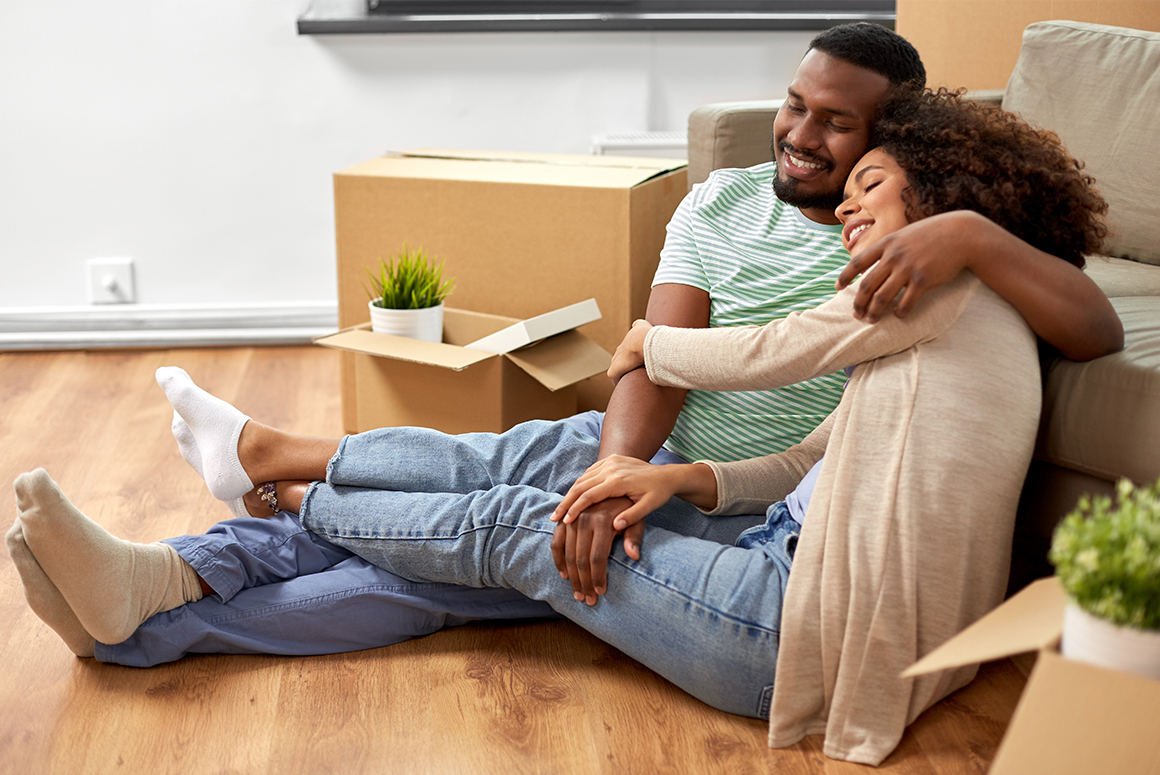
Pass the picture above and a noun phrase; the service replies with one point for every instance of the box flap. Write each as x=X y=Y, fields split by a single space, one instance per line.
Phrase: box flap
x=1077 y=719
x=1029 y=621
x=361 y=339
x=539 y=327
x=562 y=360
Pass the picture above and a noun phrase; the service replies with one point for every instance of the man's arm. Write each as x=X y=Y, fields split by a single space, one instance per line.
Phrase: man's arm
x=639 y=418
x=640 y=414
x=1060 y=303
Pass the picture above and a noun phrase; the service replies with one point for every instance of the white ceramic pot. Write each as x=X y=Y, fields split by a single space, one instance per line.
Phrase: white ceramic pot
x=425 y=324
x=1097 y=641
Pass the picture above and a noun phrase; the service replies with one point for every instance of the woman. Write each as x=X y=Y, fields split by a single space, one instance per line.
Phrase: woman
x=708 y=616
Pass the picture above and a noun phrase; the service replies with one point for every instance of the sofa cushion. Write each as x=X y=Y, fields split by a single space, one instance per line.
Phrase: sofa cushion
x=730 y=134
x=1103 y=417
x=1099 y=88
x=1120 y=277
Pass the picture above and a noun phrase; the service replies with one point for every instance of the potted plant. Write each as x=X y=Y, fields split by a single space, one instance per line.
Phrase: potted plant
x=406 y=296
x=1107 y=557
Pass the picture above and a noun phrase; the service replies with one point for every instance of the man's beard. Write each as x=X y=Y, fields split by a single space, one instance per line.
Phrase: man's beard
x=787 y=191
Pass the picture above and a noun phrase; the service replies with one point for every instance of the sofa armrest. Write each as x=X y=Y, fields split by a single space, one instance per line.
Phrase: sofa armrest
x=730 y=134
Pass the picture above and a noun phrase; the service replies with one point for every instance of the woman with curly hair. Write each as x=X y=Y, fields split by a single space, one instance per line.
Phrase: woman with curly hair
x=900 y=533
x=895 y=515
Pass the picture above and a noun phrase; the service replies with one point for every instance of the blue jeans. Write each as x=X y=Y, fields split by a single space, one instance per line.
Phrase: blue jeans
x=282 y=590
x=474 y=510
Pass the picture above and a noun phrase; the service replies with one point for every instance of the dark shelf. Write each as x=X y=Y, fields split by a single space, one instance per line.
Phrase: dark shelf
x=331 y=17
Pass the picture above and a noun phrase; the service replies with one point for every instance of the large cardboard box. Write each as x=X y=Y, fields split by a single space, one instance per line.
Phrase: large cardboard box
x=454 y=388
x=520 y=233
x=1073 y=717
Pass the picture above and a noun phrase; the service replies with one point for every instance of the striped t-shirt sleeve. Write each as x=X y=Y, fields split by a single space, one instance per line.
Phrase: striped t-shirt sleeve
x=759 y=259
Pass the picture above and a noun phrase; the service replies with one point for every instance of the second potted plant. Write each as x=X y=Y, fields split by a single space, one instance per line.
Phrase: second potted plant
x=406 y=296
x=1107 y=557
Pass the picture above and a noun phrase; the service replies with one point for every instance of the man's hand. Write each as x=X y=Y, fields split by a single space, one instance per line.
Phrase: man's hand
x=580 y=548
x=1063 y=306
x=912 y=261
x=629 y=355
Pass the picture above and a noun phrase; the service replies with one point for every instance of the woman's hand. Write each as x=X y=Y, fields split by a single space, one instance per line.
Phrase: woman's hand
x=617 y=476
x=629 y=355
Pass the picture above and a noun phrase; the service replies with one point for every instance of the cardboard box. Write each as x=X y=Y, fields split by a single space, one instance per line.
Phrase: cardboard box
x=1073 y=717
x=520 y=233
x=448 y=387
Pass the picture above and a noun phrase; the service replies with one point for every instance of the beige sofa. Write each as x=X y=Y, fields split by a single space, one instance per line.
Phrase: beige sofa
x=1098 y=87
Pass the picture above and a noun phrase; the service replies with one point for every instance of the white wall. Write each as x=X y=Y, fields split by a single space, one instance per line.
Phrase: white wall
x=199 y=136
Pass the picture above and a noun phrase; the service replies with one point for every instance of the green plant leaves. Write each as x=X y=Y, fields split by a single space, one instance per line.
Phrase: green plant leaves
x=1107 y=555
x=408 y=281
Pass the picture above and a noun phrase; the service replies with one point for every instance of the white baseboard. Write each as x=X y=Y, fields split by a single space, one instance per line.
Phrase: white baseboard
x=117 y=326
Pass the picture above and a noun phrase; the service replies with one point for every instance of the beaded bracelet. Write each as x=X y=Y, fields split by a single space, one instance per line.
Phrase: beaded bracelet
x=266 y=492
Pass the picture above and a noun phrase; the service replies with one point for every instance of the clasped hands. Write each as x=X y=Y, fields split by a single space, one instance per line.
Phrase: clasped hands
x=611 y=498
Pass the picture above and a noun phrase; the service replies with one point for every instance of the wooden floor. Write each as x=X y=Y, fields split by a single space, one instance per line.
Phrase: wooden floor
x=539 y=697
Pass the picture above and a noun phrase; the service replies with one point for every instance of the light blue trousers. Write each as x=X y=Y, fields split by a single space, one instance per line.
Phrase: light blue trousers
x=283 y=590
x=474 y=510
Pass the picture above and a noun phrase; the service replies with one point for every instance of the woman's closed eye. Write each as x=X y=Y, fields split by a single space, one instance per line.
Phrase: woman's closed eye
x=865 y=190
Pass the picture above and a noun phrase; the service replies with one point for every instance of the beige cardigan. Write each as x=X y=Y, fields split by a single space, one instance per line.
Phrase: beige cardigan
x=907 y=537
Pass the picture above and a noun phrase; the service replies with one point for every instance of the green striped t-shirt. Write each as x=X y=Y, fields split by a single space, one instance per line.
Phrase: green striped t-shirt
x=759 y=259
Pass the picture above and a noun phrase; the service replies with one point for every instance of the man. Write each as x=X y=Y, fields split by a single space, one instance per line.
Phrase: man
x=746 y=247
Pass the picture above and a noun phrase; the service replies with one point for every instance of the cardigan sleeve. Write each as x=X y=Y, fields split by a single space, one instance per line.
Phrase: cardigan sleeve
x=751 y=486
x=798 y=347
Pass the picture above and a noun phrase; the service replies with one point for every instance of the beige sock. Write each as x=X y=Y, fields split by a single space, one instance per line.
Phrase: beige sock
x=111 y=585
x=44 y=598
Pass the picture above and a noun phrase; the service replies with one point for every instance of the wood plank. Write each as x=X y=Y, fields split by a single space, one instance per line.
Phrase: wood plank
x=533 y=697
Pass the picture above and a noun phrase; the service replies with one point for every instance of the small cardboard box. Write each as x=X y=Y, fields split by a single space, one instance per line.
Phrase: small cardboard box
x=519 y=232
x=452 y=388
x=1073 y=717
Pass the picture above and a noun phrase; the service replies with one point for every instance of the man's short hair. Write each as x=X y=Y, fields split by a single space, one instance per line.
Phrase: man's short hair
x=875 y=48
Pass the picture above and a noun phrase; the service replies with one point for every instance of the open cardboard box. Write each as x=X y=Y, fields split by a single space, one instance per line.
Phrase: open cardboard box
x=455 y=389
x=520 y=233
x=1073 y=717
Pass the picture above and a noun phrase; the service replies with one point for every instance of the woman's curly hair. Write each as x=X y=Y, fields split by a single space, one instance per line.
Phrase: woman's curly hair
x=964 y=155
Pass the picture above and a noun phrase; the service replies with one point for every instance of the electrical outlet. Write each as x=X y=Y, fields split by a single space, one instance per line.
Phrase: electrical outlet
x=111 y=281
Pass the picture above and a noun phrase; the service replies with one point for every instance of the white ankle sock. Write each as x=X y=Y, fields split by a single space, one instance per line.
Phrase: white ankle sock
x=44 y=598
x=187 y=444
x=111 y=585
x=216 y=427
